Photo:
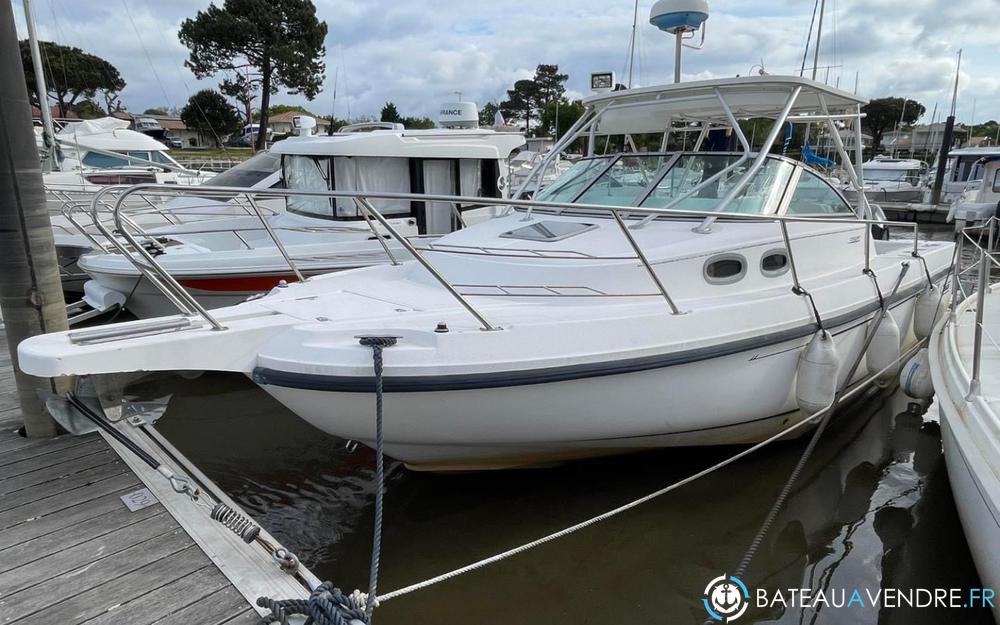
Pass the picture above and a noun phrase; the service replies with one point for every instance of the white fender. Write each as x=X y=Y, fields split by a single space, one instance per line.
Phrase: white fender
x=883 y=351
x=915 y=378
x=816 y=378
x=928 y=310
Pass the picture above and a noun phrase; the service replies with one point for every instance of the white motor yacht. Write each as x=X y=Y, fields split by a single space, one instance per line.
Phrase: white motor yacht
x=980 y=199
x=224 y=261
x=641 y=300
x=894 y=179
x=961 y=169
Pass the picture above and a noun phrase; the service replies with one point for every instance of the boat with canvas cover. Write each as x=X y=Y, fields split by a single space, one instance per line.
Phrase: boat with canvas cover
x=643 y=299
x=226 y=260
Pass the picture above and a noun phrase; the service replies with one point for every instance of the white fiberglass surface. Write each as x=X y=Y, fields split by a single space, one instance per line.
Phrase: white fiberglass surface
x=873 y=174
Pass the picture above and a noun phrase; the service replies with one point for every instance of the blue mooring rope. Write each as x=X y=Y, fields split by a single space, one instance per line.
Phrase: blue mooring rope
x=328 y=605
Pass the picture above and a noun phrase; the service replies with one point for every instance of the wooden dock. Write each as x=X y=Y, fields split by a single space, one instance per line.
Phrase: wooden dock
x=71 y=552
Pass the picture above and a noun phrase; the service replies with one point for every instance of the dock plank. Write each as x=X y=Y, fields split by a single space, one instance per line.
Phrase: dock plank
x=56 y=448
x=111 y=575
x=57 y=503
x=72 y=553
x=222 y=606
x=66 y=517
x=36 y=480
x=84 y=604
x=89 y=554
x=165 y=600
x=68 y=484
x=32 y=549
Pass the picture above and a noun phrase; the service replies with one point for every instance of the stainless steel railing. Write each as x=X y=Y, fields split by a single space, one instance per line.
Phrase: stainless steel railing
x=984 y=263
x=125 y=237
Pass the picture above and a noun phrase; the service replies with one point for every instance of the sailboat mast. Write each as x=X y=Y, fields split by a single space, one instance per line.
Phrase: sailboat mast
x=949 y=128
x=43 y=98
x=631 y=49
x=819 y=35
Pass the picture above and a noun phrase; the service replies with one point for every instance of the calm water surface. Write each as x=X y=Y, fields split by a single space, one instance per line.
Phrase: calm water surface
x=873 y=509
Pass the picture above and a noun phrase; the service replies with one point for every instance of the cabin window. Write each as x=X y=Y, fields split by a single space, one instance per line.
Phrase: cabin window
x=996 y=180
x=813 y=196
x=774 y=263
x=548 y=231
x=725 y=269
x=249 y=172
x=305 y=173
x=374 y=174
x=760 y=196
x=574 y=180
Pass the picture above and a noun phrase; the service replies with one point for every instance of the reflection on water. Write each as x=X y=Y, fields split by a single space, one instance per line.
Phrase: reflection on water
x=873 y=509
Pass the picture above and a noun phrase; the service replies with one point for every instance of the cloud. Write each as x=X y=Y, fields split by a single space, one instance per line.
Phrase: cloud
x=417 y=54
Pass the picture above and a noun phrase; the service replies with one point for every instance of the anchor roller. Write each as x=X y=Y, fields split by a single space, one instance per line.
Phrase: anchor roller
x=816 y=377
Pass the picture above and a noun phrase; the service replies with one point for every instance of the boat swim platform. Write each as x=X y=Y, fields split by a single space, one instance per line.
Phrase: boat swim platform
x=72 y=551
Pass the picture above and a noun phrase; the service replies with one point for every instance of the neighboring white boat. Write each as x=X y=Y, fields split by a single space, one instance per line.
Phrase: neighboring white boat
x=894 y=179
x=961 y=169
x=980 y=199
x=965 y=368
x=524 y=163
x=641 y=300
x=228 y=259
x=96 y=154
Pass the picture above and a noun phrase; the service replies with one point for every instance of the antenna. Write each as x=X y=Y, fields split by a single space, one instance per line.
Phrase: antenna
x=681 y=18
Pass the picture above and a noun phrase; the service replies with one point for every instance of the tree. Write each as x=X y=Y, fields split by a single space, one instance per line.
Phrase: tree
x=488 y=114
x=282 y=40
x=88 y=109
x=278 y=109
x=390 y=114
x=71 y=73
x=521 y=102
x=418 y=123
x=883 y=114
x=159 y=110
x=209 y=113
x=550 y=83
x=568 y=113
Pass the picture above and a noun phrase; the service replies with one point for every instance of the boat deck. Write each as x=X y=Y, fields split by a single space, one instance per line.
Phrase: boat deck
x=71 y=552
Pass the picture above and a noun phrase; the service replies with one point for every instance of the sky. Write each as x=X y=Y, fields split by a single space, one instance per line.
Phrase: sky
x=417 y=54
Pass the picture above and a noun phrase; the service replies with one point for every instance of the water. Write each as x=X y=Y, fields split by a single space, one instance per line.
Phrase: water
x=872 y=509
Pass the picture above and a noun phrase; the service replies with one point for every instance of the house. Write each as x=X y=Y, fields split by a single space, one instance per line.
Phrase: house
x=36 y=113
x=281 y=124
x=825 y=142
x=928 y=136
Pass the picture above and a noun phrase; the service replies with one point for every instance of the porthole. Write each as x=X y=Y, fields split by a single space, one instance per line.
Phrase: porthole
x=774 y=263
x=725 y=269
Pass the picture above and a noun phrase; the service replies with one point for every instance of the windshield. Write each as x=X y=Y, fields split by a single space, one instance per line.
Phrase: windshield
x=249 y=172
x=696 y=182
x=574 y=180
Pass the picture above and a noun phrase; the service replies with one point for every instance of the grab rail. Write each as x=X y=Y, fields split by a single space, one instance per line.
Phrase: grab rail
x=188 y=305
x=985 y=263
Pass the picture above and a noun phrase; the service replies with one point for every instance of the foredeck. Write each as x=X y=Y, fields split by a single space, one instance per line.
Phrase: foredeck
x=71 y=552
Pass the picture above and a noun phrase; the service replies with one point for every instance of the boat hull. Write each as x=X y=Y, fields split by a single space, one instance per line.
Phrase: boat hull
x=740 y=398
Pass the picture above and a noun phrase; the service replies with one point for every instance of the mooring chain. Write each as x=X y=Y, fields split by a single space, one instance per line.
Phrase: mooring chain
x=327 y=604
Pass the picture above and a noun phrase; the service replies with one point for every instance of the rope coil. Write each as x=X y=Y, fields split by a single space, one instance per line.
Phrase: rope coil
x=327 y=605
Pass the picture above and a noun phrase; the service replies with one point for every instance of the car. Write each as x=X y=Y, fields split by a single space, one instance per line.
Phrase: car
x=174 y=142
